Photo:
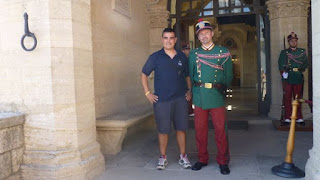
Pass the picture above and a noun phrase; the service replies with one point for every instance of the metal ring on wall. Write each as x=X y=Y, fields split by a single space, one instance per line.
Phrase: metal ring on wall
x=34 y=44
x=29 y=34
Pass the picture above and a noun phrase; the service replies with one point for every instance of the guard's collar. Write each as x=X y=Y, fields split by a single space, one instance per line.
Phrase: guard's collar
x=208 y=48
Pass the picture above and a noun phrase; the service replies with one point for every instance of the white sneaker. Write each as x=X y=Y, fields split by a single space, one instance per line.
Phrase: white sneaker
x=287 y=120
x=191 y=115
x=184 y=161
x=162 y=163
x=300 y=121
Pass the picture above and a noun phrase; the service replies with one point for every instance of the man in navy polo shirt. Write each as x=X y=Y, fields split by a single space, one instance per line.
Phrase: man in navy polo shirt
x=172 y=91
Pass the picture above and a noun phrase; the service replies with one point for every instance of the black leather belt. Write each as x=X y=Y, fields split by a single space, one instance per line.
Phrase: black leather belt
x=208 y=85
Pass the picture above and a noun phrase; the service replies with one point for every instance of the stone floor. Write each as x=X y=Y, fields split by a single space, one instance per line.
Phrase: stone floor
x=254 y=151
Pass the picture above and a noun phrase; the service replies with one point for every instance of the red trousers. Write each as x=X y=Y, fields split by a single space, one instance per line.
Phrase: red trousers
x=290 y=91
x=218 y=116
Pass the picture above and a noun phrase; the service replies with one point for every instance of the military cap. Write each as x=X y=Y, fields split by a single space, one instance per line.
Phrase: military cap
x=202 y=25
x=292 y=36
x=185 y=46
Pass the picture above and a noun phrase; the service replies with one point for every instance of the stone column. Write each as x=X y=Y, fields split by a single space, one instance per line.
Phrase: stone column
x=53 y=86
x=313 y=165
x=158 y=20
x=286 y=16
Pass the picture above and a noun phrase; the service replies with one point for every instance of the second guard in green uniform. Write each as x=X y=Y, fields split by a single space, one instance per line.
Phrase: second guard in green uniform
x=292 y=63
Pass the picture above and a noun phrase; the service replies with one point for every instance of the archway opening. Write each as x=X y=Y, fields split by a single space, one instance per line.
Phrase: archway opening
x=239 y=26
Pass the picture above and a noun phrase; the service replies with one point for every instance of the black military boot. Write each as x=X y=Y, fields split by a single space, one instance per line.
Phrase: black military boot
x=198 y=165
x=224 y=169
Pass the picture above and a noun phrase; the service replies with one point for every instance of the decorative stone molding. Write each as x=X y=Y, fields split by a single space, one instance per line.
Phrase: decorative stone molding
x=288 y=8
x=151 y=3
x=122 y=6
x=158 y=17
x=230 y=43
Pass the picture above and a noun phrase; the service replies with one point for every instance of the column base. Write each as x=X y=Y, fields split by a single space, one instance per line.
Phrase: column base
x=275 y=111
x=83 y=163
x=312 y=166
x=306 y=111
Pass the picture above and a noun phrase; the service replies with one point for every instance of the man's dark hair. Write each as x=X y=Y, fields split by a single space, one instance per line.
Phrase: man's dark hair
x=168 y=30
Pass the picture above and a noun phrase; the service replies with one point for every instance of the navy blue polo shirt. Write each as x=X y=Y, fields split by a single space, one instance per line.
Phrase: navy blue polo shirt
x=169 y=74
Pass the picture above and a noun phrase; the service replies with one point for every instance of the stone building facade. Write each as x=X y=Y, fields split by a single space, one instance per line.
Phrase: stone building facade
x=87 y=65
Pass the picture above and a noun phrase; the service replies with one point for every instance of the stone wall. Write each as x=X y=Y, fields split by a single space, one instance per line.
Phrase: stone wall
x=313 y=165
x=120 y=48
x=53 y=86
x=11 y=145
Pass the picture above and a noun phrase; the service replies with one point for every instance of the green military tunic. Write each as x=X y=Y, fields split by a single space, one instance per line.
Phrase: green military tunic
x=294 y=62
x=213 y=66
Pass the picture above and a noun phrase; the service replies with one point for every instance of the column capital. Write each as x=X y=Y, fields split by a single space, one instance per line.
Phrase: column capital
x=288 y=8
x=158 y=17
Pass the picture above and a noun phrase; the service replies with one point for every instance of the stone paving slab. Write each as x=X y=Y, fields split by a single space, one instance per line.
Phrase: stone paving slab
x=253 y=153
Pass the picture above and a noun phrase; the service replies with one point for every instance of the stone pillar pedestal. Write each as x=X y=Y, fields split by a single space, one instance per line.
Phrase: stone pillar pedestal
x=286 y=16
x=313 y=165
x=53 y=86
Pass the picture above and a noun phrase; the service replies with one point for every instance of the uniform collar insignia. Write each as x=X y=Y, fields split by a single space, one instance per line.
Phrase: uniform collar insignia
x=208 y=48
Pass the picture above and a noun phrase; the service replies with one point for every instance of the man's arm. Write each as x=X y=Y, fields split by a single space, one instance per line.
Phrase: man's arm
x=305 y=61
x=188 y=94
x=228 y=70
x=191 y=67
x=188 y=80
x=150 y=96
x=281 y=62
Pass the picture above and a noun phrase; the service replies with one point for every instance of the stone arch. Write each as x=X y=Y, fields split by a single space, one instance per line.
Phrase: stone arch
x=230 y=34
x=245 y=53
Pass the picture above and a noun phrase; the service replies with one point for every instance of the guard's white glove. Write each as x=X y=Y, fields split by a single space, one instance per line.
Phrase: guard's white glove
x=285 y=75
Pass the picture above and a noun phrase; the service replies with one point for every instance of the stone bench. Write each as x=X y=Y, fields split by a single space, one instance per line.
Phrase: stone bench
x=111 y=130
x=11 y=145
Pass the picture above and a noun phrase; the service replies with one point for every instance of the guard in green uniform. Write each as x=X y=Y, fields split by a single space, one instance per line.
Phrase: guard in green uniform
x=292 y=63
x=211 y=73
